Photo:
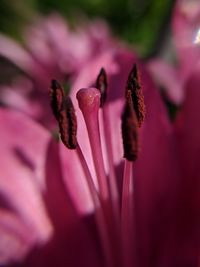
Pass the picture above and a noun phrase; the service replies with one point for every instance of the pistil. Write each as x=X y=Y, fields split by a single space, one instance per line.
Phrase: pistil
x=89 y=103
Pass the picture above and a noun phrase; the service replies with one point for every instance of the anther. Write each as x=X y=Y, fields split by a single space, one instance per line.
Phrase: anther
x=101 y=84
x=130 y=129
x=64 y=112
x=134 y=86
x=57 y=97
x=68 y=124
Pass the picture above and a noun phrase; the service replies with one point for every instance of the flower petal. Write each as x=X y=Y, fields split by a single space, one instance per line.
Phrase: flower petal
x=74 y=241
x=15 y=235
x=168 y=78
x=185 y=25
x=157 y=178
x=11 y=50
x=23 y=149
x=188 y=139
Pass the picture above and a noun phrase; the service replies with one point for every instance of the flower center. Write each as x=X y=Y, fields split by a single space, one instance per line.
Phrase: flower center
x=115 y=222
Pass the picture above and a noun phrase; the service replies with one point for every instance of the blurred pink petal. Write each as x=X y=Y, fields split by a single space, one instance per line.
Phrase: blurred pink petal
x=28 y=194
x=23 y=147
x=15 y=53
x=188 y=133
x=15 y=235
x=51 y=50
x=185 y=26
x=168 y=77
x=156 y=183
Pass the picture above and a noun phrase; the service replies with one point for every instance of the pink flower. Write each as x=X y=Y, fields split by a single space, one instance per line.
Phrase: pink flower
x=50 y=49
x=185 y=47
x=54 y=218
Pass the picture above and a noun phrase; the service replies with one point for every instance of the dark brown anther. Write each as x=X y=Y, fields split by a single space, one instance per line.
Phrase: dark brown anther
x=57 y=98
x=130 y=129
x=101 y=84
x=64 y=112
x=68 y=124
x=134 y=85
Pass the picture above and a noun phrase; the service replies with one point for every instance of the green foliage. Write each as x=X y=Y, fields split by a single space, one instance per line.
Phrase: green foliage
x=140 y=22
x=14 y=14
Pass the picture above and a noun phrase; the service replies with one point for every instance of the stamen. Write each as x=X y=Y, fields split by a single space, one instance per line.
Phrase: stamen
x=65 y=114
x=132 y=118
x=68 y=127
x=89 y=103
x=134 y=86
x=130 y=129
x=131 y=147
x=101 y=84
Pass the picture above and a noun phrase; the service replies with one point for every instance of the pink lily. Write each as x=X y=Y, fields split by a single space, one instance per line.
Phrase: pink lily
x=165 y=198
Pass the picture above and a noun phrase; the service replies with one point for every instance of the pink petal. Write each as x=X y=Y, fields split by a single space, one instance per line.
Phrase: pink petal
x=16 y=97
x=39 y=43
x=74 y=179
x=11 y=50
x=15 y=53
x=169 y=78
x=185 y=25
x=15 y=235
x=74 y=241
x=57 y=48
x=187 y=126
x=188 y=139
x=22 y=168
x=157 y=176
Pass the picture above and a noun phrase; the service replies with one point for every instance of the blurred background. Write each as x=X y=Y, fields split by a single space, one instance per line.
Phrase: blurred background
x=142 y=23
